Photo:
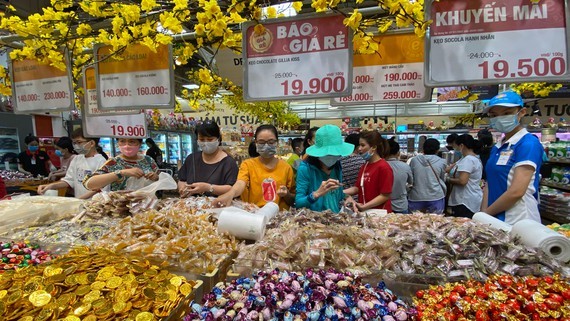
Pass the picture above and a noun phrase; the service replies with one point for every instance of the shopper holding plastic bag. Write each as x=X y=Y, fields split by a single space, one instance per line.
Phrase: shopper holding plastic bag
x=128 y=171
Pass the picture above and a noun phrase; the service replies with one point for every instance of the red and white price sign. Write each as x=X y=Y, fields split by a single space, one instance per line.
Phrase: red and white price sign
x=137 y=78
x=393 y=75
x=489 y=42
x=297 y=58
x=39 y=87
x=96 y=124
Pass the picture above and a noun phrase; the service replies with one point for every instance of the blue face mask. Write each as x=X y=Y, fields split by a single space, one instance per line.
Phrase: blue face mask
x=58 y=153
x=366 y=156
x=33 y=149
x=505 y=124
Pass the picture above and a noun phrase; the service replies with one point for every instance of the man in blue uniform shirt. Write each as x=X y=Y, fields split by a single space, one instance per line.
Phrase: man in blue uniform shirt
x=514 y=164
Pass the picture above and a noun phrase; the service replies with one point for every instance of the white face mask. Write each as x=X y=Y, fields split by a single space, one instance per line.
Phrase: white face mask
x=329 y=160
x=209 y=147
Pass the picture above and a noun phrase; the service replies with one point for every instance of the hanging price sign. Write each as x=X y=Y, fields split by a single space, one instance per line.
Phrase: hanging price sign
x=117 y=125
x=135 y=78
x=393 y=75
x=297 y=58
x=38 y=87
x=491 y=42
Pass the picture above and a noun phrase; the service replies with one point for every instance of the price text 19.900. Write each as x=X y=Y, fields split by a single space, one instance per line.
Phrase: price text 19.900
x=315 y=86
x=120 y=130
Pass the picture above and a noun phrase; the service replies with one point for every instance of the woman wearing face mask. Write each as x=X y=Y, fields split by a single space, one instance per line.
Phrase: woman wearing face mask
x=464 y=178
x=309 y=141
x=265 y=178
x=210 y=172
x=128 y=171
x=33 y=161
x=375 y=178
x=64 y=150
x=86 y=163
x=513 y=167
x=319 y=177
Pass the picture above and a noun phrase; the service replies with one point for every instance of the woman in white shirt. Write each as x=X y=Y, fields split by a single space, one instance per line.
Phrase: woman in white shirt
x=86 y=163
x=465 y=178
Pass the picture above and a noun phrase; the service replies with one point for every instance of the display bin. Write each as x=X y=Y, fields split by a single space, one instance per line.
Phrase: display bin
x=403 y=285
x=184 y=307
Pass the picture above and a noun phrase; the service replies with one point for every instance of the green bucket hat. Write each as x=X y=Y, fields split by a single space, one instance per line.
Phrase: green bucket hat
x=328 y=141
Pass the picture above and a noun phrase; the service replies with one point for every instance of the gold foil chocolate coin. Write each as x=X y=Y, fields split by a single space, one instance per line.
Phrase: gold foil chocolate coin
x=144 y=316
x=114 y=282
x=39 y=298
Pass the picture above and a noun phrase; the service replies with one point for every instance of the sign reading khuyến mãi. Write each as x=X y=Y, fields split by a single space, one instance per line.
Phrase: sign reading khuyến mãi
x=492 y=42
x=136 y=78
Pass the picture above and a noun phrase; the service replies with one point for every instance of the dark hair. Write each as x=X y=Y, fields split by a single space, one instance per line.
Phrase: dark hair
x=452 y=138
x=266 y=127
x=31 y=138
x=209 y=129
x=431 y=146
x=394 y=146
x=78 y=132
x=353 y=139
x=65 y=143
x=309 y=136
x=150 y=141
x=374 y=139
x=469 y=142
x=485 y=138
x=252 y=150
x=296 y=142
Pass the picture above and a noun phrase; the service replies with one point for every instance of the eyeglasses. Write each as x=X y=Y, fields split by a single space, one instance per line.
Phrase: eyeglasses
x=130 y=143
x=269 y=142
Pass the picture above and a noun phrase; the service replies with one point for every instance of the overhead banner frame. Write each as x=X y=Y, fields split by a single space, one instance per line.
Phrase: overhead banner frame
x=389 y=78
x=90 y=103
x=482 y=42
x=141 y=79
x=36 y=86
x=297 y=58
x=120 y=124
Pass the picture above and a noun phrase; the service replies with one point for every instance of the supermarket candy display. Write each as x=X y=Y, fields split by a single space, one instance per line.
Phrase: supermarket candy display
x=91 y=285
x=313 y=295
x=499 y=298
x=433 y=245
x=15 y=255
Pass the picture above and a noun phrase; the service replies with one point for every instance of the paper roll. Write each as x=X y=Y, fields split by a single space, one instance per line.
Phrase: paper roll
x=269 y=210
x=51 y=192
x=534 y=234
x=242 y=224
x=485 y=218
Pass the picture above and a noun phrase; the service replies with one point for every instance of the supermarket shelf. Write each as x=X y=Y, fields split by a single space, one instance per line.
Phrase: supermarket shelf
x=562 y=187
x=554 y=161
x=555 y=219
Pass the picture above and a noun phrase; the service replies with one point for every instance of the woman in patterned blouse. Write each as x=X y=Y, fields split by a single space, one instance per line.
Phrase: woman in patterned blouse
x=128 y=171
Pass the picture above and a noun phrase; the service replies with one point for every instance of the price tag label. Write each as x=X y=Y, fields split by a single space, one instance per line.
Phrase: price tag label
x=137 y=78
x=37 y=87
x=393 y=75
x=117 y=125
x=491 y=42
x=297 y=58
x=91 y=107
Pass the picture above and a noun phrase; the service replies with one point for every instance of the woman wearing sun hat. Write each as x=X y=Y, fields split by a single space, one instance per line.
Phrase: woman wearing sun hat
x=319 y=178
x=513 y=167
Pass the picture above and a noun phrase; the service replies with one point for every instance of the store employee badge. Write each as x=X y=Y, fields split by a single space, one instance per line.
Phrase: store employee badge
x=505 y=156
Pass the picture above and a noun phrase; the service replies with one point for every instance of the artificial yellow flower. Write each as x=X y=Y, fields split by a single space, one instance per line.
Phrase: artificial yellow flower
x=205 y=90
x=212 y=8
x=236 y=18
x=180 y=4
x=117 y=24
x=147 y=5
x=205 y=76
x=163 y=39
x=297 y=6
x=200 y=29
x=219 y=28
x=384 y=26
x=149 y=43
x=147 y=28
x=170 y=22
x=259 y=29
x=319 y=5
x=271 y=12
x=60 y=5
x=354 y=20
x=83 y=29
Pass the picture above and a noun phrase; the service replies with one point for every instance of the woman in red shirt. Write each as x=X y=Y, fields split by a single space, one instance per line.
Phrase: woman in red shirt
x=2 y=189
x=375 y=178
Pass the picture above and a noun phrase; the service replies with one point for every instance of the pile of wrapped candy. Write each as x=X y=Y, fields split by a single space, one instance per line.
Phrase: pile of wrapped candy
x=314 y=295
x=14 y=255
x=499 y=298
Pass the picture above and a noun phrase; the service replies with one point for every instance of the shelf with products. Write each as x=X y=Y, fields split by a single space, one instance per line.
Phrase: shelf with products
x=553 y=184
x=555 y=202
